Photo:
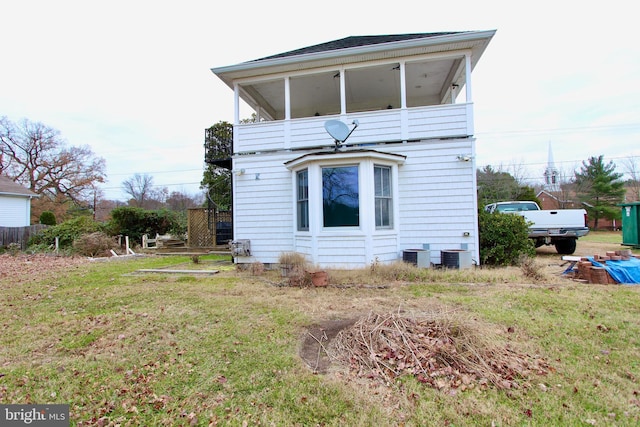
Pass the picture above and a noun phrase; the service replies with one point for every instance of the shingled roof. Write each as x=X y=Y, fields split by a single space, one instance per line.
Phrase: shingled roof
x=356 y=41
x=9 y=187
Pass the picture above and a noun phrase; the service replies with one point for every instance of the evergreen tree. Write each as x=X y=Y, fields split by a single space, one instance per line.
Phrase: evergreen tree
x=499 y=186
x=600 y=188
x=495 y=186
x=217 y=174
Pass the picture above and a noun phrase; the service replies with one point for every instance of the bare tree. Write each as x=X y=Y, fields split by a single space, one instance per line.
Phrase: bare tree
x=566 y=178
x=631 y=166
x=139 y=187
x=36 y=156
x=518 y=171
x=181 y=201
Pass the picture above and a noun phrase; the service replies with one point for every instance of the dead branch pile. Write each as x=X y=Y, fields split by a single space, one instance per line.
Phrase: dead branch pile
x=440 y=351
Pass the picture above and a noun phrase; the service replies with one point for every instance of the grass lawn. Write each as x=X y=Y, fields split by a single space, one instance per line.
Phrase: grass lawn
x=168 y=349
x=603 y=237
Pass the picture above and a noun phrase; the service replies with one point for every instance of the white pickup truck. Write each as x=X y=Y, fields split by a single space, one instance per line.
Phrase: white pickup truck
x=560 y=228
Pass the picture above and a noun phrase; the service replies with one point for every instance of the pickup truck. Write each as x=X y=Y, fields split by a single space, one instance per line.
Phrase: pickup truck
x=560 y=228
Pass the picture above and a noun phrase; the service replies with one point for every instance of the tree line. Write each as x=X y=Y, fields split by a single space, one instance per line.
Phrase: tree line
x=596 y=186
x=68 y=178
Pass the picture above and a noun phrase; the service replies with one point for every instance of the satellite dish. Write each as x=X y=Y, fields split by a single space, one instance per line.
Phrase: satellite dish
x=339 y=131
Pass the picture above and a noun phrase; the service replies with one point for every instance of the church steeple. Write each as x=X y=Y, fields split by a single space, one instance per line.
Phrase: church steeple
x=551 y=175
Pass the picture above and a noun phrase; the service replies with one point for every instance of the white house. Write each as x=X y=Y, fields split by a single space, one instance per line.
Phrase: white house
x=15 y=204
x=404 y=178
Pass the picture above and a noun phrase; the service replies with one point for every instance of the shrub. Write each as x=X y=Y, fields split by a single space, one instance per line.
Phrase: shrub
x=531 y=269
x=67 y=232
x=13 y=248
x=93 y=244
x=48 y=218
x=504 y=239
x=134 y=222
x=293 y=259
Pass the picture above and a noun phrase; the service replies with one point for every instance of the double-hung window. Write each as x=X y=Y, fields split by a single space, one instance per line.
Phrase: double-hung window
x=302 y=183
x=383 y=196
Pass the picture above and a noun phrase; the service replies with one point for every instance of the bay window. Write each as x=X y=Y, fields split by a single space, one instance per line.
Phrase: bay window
x=345 y=191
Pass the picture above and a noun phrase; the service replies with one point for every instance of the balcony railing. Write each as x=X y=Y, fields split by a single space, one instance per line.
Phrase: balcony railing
x=440 y=121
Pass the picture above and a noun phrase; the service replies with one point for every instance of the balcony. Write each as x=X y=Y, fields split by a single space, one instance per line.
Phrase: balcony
x=394 y=125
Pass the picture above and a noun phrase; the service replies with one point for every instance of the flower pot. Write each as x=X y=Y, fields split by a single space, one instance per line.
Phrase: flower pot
x=319 y=278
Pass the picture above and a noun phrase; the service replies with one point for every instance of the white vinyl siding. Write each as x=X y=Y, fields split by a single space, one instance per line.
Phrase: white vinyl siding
x=438 y=197
x=262 y=205
x=15 y=211
x=434 y=204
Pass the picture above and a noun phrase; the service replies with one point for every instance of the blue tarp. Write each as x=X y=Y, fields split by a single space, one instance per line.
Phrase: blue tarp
x=624 y=271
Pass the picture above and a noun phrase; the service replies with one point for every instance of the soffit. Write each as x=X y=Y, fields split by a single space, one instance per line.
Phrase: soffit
x=475 y=41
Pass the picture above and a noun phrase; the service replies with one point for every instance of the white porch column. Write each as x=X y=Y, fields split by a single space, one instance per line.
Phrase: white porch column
x=403 y=86
x=343 y=93
x=236 y=104
x=404 y=114
x=287 y=112
x=467 y=70
x=469 y=103
x=287 y=98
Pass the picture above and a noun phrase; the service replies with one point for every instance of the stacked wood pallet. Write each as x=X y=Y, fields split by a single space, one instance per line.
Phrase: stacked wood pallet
x=589 y=273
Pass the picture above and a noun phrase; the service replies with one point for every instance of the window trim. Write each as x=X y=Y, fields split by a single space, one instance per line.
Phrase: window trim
x=302 y=203
x=358 y=173
x=389 y=199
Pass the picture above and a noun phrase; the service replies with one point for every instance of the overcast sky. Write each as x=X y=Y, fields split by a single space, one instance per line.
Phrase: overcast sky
x=132 y=79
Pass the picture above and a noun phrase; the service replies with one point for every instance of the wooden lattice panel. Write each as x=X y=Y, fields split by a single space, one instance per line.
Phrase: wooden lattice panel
x=201 y=228
x=200 y=232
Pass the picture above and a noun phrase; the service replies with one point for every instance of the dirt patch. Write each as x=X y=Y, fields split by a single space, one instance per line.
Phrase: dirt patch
x=315 y=341
x=583 y=248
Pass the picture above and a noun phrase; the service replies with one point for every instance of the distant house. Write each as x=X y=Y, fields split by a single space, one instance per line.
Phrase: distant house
x=15 y=204
x=404 y=179
x=557 y=200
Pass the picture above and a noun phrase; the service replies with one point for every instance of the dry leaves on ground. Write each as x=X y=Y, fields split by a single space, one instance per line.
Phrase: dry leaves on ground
x=34 y=267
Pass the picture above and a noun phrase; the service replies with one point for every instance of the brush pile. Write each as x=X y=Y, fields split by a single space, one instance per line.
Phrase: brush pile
x=439 y=351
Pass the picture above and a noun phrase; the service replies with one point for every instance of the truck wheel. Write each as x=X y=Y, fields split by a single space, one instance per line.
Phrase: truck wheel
x=566 y=246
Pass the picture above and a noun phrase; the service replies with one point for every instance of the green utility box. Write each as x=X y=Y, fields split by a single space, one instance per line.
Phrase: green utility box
x=630 y=221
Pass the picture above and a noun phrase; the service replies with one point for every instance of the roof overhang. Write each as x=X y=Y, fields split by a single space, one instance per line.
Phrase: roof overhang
x=26 y=196
x=476 y=41
x=356 y=154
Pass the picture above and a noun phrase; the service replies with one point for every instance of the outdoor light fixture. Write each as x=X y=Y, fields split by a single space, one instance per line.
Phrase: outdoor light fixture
x=464 y=157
